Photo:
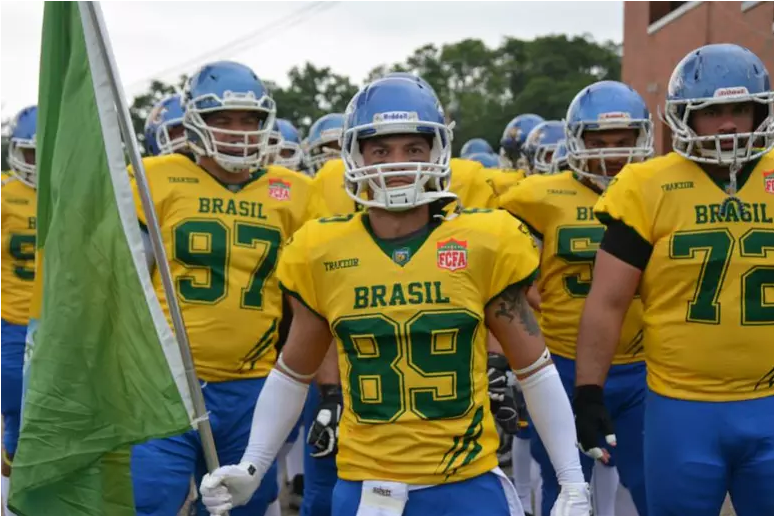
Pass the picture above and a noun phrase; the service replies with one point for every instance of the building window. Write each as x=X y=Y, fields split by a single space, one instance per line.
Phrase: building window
x=661 y=14
x=658 y=10
x=746 y=6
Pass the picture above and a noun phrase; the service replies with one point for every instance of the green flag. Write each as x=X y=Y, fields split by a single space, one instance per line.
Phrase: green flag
x=105 y=371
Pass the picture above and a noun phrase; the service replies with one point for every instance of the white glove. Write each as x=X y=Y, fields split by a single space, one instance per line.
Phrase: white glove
x=228 y=487
x=573 y=500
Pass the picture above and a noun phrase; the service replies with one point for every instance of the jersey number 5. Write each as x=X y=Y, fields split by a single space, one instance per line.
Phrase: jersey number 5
x=206 y=244
x=22 y=248
x=715 y=246
x=578 y=245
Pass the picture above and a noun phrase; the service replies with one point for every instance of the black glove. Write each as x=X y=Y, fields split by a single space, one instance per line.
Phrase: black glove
x=324 y=434
x=502 y=396
x=591 y=420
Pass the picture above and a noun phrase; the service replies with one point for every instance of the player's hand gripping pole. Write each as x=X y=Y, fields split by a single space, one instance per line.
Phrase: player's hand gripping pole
x=93 y=11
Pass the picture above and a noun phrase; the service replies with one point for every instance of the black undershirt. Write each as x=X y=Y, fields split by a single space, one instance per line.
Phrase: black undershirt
x=626 y=244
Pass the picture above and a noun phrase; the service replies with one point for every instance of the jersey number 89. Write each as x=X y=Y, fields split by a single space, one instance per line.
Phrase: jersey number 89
x=424 y=365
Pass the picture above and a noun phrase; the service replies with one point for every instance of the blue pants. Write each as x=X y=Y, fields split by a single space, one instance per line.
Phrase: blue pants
x=12 y=353
x=696 y=451
x=320 y=475
x=482 y=495
x=162 y=469
x=625 y=401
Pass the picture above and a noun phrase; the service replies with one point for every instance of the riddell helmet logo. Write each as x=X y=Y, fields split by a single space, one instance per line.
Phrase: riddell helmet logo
x=614 y=116
x=731 y=92
x=279 y=189
x=452 y=254
x=396 y=116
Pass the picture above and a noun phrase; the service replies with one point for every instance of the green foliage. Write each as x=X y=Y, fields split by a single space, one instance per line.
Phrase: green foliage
x=482 y=88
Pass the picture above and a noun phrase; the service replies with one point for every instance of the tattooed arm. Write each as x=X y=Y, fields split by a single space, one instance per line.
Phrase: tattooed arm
x=512 y=322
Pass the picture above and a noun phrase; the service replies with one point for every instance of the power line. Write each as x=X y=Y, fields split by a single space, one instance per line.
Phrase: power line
x=244 y=42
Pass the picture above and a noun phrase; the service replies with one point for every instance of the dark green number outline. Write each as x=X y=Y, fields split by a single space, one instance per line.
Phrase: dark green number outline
x=757 y=243
x=566 y=237
x=217 y=257
x=380 y=342
x=16 y=249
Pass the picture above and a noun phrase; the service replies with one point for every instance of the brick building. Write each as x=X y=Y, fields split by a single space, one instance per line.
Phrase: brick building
x=658 y=34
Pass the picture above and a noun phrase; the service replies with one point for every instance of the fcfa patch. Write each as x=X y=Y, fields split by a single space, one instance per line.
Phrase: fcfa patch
x=452 y=254
x=768 y=181
x=279 y=189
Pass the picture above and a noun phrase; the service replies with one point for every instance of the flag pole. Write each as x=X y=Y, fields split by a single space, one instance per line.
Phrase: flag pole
x=93 y=21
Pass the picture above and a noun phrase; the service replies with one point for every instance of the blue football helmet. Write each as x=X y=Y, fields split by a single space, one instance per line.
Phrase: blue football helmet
x=286 y=140
x=324 y=140
x=541 y=144
x=166 y=115
x=394 y=106
x=23 y=130
x=514 y=138
x=475 y=146
x=603 y=106
x=559 y=158
x=411 y=76
x=221 y=86
x=720 y=74
x=488 y=159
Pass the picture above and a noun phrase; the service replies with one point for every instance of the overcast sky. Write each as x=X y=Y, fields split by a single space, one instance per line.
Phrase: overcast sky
x=350 y=37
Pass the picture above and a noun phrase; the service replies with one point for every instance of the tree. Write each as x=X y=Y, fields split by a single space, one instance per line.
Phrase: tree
x=313 y=92
x=483 y=87
x=491 y=86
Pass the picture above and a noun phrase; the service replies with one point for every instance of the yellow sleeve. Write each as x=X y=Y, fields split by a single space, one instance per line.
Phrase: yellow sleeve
x=294 y=270
x=517 y=259
x=520 y=201
x=623 y=201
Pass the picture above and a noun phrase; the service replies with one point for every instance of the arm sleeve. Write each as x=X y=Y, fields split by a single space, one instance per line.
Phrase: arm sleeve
x=626 y=244
x=517 y=258
x=294 y=270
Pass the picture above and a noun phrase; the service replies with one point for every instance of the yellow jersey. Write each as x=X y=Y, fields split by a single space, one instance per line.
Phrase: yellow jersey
x=708 y=288
x=19 y=212
x=503 y=179
x=469 y=180
x=559 y=210
x=408 y=321
x=222 y=244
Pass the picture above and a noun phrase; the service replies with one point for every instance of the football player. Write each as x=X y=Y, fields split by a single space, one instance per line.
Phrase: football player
x=284 y=147
x=541 y=144
x=608 y=125
x=164 y=132
x=487 y=159
x=475 y=146
x=19 y=207
x=469 y=182
x=223 y=222
x=323 y=142
x=693 y=233
x=513 y=161
x=407 y=290
x=559 y=158
x=514 y=137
